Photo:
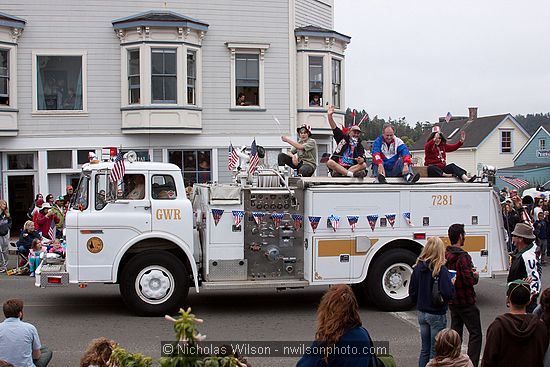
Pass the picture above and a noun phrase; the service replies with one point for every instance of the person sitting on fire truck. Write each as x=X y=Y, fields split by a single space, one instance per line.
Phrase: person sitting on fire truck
x=435 y=156
x=348 y=158
x=302 y=155
x=391 y=157
x=137 y=191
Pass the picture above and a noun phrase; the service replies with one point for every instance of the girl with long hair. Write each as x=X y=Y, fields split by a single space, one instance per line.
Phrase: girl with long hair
x=447 y=351
x=5 y=226
x=98 y=353
x=432 y=315
x=338 y=328
x=435 y=157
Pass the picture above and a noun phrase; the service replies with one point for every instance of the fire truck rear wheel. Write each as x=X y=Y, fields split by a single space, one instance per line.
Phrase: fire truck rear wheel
x=387 y=284
x=154 y=284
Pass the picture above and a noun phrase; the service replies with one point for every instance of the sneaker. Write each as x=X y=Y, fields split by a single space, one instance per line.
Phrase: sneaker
x=382 y=179
x=410 y=178
x=3 y=269
x=360 y=174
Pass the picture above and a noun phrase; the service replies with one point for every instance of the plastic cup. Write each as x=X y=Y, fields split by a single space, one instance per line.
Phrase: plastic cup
x=453 y=273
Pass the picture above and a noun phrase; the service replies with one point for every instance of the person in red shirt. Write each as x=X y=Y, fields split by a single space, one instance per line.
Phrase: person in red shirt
x=44 y=221
x=435 y=156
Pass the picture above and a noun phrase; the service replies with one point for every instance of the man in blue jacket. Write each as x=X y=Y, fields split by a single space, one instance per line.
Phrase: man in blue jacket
x=391 y=157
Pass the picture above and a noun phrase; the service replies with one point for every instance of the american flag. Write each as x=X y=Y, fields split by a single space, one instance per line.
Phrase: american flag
x=298 y=220
x=372 y=220
x=407 y=217
x=258 y=217
x=352 y=220
x=516 y=182
x=254 y=158
x=334 y=221
x=364 y=118
x=314 y=222
x=232 y=159
x=217 y=215
x=238 y=217
x=51 y=230
x=118 y=169
x=448 y=117
x=391 y=218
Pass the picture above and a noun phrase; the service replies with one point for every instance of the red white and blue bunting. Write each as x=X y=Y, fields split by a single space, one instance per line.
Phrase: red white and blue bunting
x=298 y=219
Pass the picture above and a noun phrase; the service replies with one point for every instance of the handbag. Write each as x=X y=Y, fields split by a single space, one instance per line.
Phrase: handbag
x=437 y=298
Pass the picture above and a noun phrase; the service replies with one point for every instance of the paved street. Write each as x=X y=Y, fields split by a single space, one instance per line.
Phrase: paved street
x=68 y=318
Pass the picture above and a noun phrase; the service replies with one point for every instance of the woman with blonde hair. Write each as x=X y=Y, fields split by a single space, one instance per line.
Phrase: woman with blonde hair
x=431 y=273
x=339 y=329
x=5 y=226
x=448 y=352
x=98 y=353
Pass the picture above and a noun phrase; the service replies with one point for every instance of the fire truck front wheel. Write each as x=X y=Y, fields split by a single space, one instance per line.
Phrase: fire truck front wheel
x=387 y=284
x=154 y=284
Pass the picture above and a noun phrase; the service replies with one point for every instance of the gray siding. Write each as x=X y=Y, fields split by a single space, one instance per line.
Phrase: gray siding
x=313 y=12
x=78 y=25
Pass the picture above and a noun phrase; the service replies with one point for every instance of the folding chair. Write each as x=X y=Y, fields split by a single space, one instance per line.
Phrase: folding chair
x=23 y=264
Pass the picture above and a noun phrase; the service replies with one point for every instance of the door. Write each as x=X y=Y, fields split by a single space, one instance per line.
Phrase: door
x=168 y=215
x=332 y=258
x=110 y=222
x=21 y=196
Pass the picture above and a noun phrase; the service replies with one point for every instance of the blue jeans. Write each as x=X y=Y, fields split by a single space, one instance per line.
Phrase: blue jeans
x=395 y=171
x=430 y=325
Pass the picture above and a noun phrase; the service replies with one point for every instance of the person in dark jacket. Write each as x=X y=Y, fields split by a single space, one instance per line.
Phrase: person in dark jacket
x=5 y=226
x=339 y=329
x=28 y=234
x=349 y=157
x=525 y=263
x=516 y=338
x=464 y=310
x=511 y=218
x=432 y=318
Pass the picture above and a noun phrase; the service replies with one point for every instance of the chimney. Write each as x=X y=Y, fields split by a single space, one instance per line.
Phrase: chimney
x=472 y=113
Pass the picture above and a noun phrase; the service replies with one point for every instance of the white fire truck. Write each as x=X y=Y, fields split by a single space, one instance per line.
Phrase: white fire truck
x=263 y=231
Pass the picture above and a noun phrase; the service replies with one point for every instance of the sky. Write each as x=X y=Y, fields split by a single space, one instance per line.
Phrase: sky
x=420 y=59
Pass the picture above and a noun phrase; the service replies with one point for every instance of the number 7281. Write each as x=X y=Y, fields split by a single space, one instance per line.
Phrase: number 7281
x=438 y=200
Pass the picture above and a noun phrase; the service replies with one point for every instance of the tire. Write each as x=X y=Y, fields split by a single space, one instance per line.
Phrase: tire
x=387 y=283
x=154 y=284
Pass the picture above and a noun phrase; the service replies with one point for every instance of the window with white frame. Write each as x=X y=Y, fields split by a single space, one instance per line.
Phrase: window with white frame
x=542 y=144
x=195 y=165
x=191 y=77
x=60 y=82
x=134 y=93
x=247 y=75
x=315 y=81
x=505 y=141
x=60 y=159
x=247 y=79
x=164 y=75
x=4 y=77
x=336 y=82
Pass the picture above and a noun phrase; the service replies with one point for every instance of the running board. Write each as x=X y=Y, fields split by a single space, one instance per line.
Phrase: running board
x=255 y=284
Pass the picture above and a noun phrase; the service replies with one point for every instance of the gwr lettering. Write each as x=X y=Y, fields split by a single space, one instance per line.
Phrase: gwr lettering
x=168 y=214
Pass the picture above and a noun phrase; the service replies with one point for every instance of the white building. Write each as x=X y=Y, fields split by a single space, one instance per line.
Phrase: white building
x=78 y=76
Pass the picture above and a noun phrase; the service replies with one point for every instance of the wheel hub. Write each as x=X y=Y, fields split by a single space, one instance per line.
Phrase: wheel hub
x=395 y=280
x=154 y=284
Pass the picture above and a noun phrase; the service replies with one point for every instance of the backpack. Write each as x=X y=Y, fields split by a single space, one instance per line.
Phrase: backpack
x=437 y=298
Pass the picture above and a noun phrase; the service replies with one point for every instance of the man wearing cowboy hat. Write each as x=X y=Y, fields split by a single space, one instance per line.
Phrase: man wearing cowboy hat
x=525 y=263
x=303 y=153
x=349 y=156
